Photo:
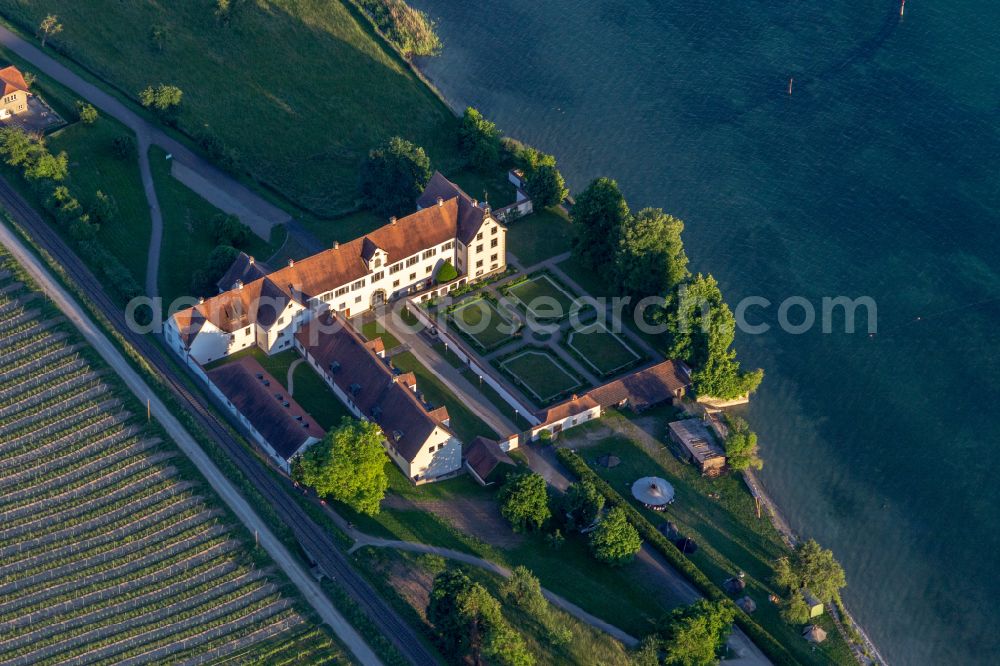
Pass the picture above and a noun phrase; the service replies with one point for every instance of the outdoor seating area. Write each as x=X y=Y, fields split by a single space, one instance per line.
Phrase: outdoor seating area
x=653 y=492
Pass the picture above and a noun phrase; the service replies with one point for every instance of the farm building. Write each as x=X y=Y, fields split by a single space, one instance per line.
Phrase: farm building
x=275 y=421
x=487 y=462
x=698 y=445
x=663 y=382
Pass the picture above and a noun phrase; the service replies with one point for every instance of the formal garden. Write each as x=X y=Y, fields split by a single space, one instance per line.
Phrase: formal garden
x=542 y=296
x=603 y=351
x=481 y=322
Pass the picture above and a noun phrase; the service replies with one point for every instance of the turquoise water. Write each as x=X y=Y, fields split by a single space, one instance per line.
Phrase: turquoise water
x=879 y=176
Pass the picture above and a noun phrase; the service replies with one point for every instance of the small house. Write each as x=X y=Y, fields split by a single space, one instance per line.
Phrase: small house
x=15 y=92
x=487 y=462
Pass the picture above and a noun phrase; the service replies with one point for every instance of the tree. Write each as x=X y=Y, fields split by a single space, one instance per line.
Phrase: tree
x=580 y=505
x=468 y=620
x=598 y=214
x=546 y=186
x=104 y=208
x=702 y=329
x=228 y=230
x=164 y=99
x=49 y=27
x=695 y=635
x=348 y=465
x=123 y=147
x=88 y=114
x=393 y=176
x=615 y=540
x=813 y=568
x=795 y=610
x=479 y=140
x=47 y=165
x=741 y=445
x=446 y=273
x=524 y=501
x=203 y=280
x=524 y=590
x=649 y=258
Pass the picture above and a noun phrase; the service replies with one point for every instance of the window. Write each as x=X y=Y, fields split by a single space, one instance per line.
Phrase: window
x=429 y=269
x=479 y=263
x=395 y=283
x=429 y=253
x=357 y=285
x=448 y=245
x=479 y=248
x=479 y=236
x=494 y=267
x=478 y=273
x=377 y=262
x=246 y=331
x=378 y=276
x=430 y=449
x=281 y=320
x=342 y=306
x=494 y=229
x=412 y=260
x=494 y=242
x=395 y=268
x=341 y=291
x=413 y=276
x=493 y=257
x=357 y=299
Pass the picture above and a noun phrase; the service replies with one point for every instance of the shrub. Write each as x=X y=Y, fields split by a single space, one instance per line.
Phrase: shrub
x=104 y=208
x=228 y=230
x=123 y=147
x=446 y=273
x=615 y=540
x=88 y=114
x=410 y=30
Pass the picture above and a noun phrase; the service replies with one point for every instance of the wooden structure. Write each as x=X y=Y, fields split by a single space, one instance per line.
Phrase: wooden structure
x=698 y=445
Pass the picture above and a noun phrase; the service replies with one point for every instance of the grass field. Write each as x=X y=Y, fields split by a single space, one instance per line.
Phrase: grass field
x=719 y=514
x=540 y=373
x=481 y=321
x=541 y=296
x=187 y=235
x=601 y=349
x=302 y=89
x=111 y=545
x=536 y=237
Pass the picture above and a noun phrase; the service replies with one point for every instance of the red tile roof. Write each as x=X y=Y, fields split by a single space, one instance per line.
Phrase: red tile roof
x=470 y=213
x=252 y=391
x=367 y=379
x=12 y=80
x=484 y=455
x=644 y=388
x=578 y=404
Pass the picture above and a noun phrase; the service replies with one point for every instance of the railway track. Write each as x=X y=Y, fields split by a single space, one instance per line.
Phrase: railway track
x=310 y=536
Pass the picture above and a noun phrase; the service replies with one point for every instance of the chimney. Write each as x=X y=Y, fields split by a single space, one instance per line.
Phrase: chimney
x=291 y=262
x=392 y=220
x=239 y=284
x=336 y=244
x=201 y=299
x=250 y=259
x=440 y=201
x=475 y=203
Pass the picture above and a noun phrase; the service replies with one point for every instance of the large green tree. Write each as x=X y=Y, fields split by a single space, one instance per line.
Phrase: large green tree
x=741 y=445
x=348 y=466
x=524 y=501
x=546 y=186
x=649 y=257
x=479 y=140
x=393 y=176
x=701 y=328
x=615 y=540
x=468 y=622
x=598 y=215
x=164 y=98
x=580 y=505
x=813 y=568
x=695 y=635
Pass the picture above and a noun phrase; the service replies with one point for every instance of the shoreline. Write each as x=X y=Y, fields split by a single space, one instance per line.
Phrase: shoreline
x=755 y=487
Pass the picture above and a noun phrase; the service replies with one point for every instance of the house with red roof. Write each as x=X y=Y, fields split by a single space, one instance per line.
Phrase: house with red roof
x=15 y=92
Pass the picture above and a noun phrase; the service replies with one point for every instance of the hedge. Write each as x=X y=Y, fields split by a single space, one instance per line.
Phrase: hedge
x=761 y=638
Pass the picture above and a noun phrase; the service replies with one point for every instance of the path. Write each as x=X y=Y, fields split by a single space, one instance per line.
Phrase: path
x=308 y=587
x=451 y=377
x=290 y=383
x=196 y=172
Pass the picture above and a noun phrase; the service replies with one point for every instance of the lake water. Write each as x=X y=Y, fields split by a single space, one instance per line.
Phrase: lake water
x=879 y=176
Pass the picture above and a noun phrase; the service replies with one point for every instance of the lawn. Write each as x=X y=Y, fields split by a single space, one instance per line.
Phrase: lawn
x=601 y=349
x=464 y=422
x=540 y=373
x=374 y=329
x=481 y=321
x=187 y=234
x=302 y=89
x=719 y=514
x=536 y=237
x=541 y=296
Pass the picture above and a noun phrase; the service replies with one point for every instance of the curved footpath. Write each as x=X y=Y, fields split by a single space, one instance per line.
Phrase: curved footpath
x=308 y=587
x=222 y=190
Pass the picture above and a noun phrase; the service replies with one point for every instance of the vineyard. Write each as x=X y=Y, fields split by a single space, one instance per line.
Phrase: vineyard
x=112 y=550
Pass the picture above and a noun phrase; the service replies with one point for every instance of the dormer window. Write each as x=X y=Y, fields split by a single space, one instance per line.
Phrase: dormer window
x=335 y=367
x=377 y=262
x=355 y=389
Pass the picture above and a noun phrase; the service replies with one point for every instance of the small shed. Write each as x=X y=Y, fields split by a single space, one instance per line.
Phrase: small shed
x=747 y=605
x=814 y=604
x=486 y=461
x=814 y=634
x=698 y=445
